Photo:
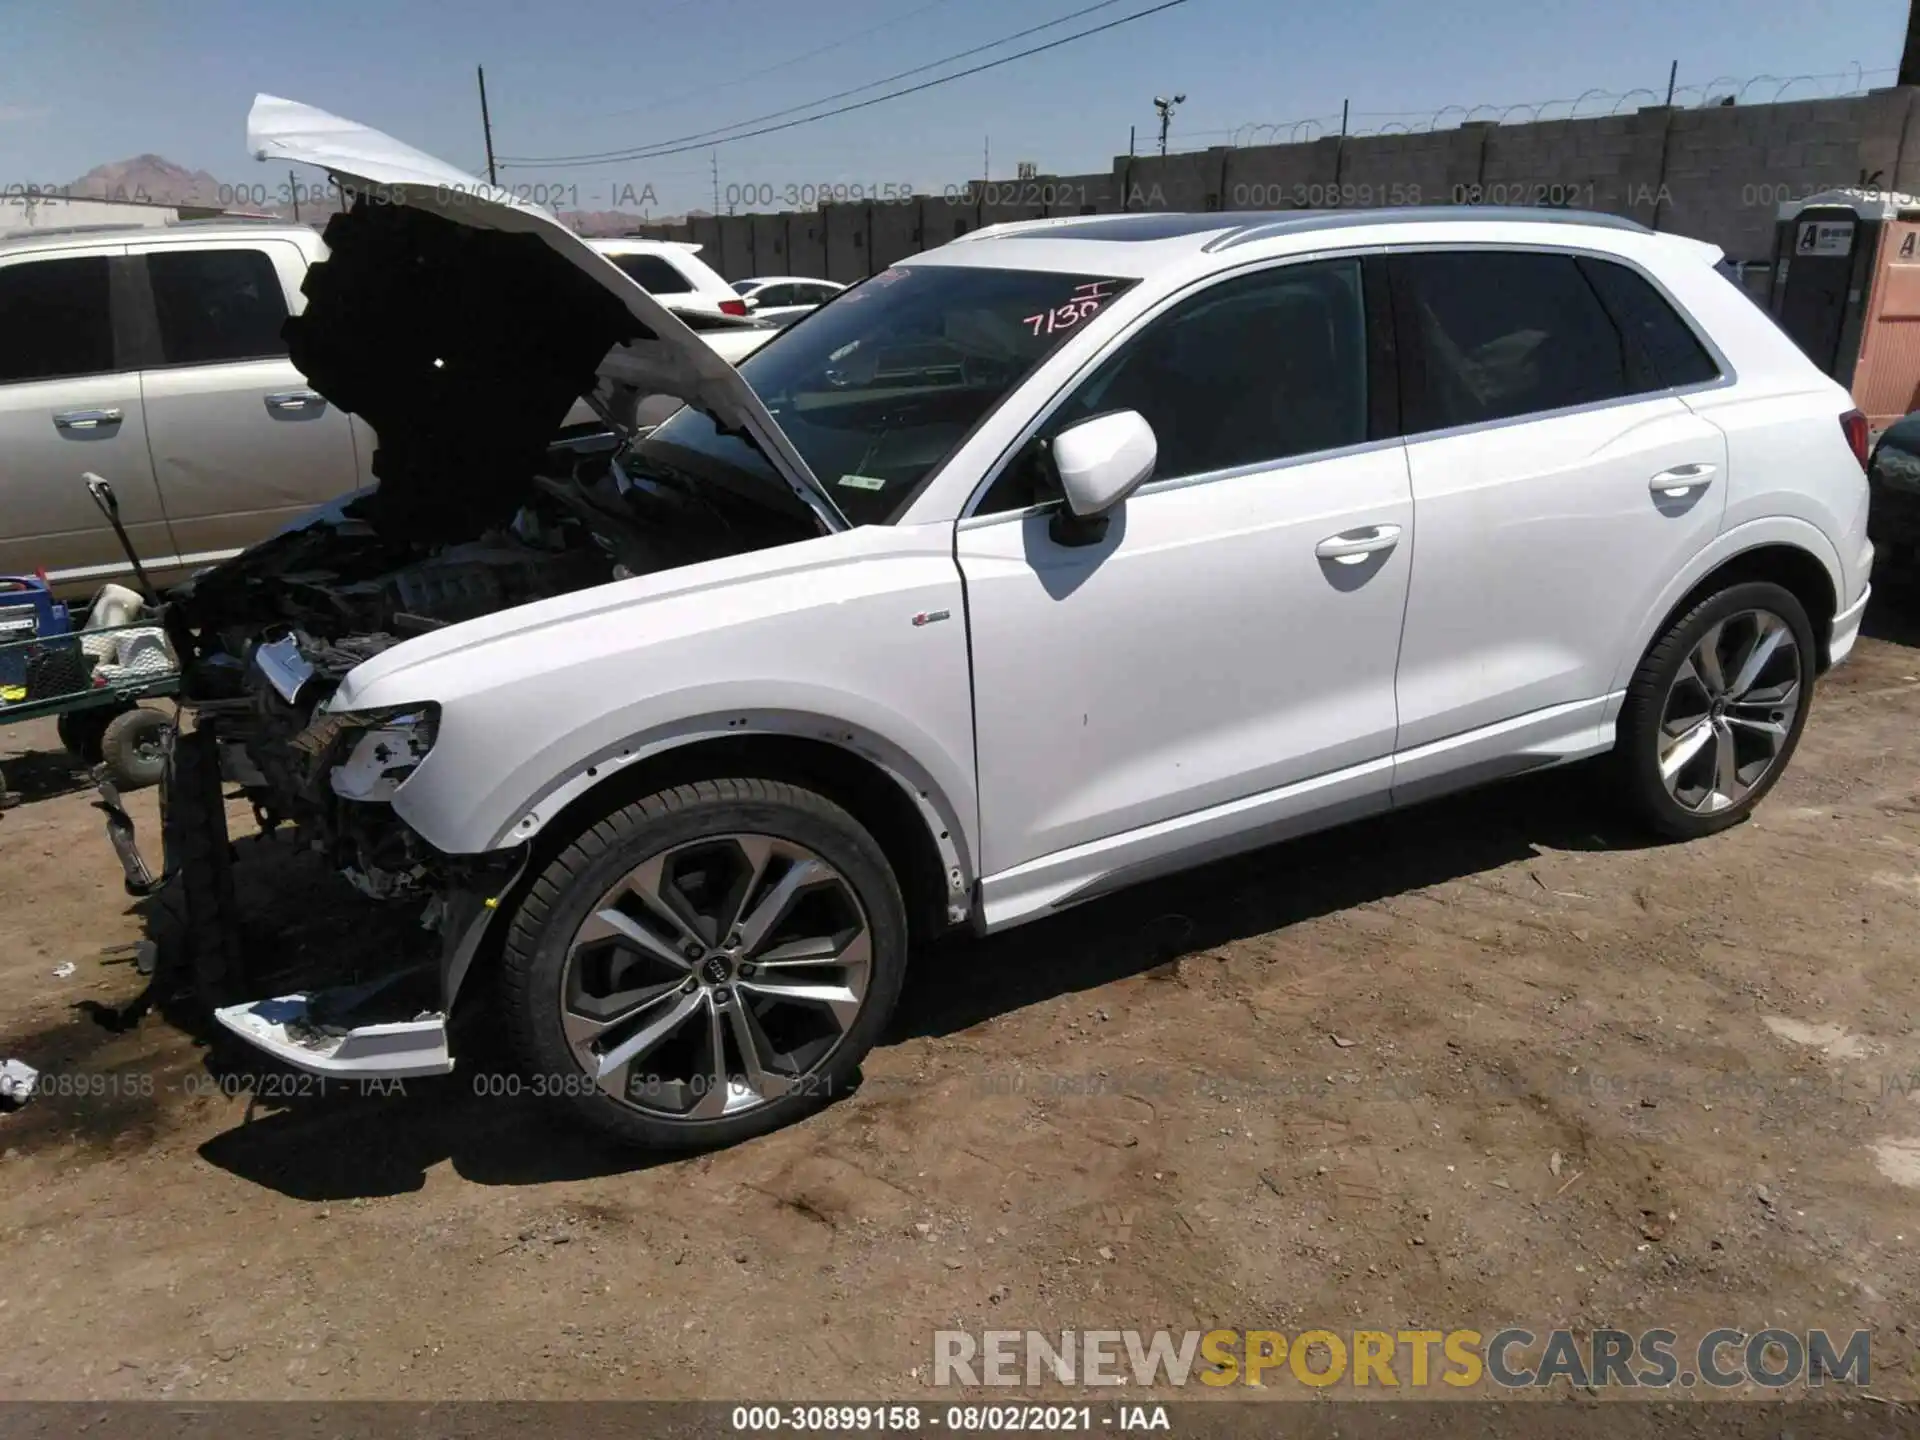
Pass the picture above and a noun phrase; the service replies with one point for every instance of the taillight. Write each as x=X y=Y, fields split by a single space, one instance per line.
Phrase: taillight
x=733 y=307
x=1855 y=424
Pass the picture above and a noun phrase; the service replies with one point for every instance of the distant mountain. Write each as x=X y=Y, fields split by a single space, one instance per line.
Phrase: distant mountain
x=155 y=179
x=604 y=222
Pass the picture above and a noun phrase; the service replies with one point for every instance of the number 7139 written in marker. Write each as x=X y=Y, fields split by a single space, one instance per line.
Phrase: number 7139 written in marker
x=1086 y=300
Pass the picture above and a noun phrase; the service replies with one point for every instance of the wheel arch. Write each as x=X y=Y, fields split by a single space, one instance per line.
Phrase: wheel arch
x=913 y=820
x=1788 y=552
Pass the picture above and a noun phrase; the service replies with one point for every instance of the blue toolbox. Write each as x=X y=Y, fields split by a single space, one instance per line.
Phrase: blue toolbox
x=28 y=611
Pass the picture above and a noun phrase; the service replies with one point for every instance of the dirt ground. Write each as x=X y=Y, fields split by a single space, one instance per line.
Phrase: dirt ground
x=1490 y=1061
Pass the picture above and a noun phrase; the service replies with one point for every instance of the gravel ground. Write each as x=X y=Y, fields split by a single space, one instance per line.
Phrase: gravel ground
x=1490 y=1061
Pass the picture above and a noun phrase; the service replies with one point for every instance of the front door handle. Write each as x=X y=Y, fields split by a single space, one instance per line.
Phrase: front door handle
x=85 y=419
x=1351 y=547
x=293 y=400
x=1681 y=480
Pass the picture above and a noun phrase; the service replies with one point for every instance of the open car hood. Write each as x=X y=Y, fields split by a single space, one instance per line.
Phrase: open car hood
x=463 y=324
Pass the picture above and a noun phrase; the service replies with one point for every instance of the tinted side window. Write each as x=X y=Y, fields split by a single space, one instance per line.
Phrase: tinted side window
x=216 y=305
x=1661 y=343
x=54 y=319
x=776 y=295
x=1497 y=334
x=653 y=274
x=1264 y=367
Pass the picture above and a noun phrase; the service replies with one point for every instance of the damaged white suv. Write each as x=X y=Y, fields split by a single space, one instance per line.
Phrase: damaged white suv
x=1064 y=555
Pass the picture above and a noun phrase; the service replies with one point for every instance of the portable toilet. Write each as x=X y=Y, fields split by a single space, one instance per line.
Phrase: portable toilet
x=1846 y=287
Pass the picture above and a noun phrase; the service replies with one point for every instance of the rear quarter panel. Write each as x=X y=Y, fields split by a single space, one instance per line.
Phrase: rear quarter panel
x=1788 y=457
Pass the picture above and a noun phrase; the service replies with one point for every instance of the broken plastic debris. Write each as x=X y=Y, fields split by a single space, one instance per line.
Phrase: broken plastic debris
x=17 y=1081
x=63 y=969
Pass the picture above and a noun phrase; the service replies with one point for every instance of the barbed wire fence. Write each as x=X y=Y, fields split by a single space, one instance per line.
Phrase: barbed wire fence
x=1720 y=90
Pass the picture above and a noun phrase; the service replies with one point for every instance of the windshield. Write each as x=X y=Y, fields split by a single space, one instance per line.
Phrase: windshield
x=744 y=287
x=877 y=389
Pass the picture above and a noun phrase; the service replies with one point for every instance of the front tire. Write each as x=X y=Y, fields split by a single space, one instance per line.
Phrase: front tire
x=707 y=964
x=1715 y=710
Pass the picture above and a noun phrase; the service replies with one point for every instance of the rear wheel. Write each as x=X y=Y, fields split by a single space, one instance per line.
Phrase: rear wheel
x=1715 y=710
x=707 y=964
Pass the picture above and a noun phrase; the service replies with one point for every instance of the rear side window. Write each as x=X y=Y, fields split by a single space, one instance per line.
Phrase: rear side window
x=217 y=305
x=1496 y=334
x=54 y=319
x=654 y=274
x=1661 y=346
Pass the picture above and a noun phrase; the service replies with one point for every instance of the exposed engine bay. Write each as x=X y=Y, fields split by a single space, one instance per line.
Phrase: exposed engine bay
x=272 y=633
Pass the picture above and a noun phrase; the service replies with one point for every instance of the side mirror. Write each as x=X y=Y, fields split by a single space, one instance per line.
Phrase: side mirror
x=1100 y=462
x=753 y=302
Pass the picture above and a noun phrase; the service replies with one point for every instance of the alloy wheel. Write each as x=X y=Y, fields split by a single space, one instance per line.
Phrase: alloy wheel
x=716 y=976
x=1729 y=712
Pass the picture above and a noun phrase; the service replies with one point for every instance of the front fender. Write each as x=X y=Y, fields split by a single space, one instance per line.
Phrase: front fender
x=858 y=638
x=939 y=784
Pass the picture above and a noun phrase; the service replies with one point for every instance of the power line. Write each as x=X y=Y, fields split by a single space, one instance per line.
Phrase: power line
x=636 y=153
x=655 y=154
x=739 y=80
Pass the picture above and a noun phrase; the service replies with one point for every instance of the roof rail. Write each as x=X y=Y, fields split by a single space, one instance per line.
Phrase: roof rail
x=1303 y=221
x=201 y=221
x=100 y=229
x=1021 y=227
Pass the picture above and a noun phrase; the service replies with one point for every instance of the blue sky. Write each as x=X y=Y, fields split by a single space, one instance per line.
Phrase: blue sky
x=84 y=81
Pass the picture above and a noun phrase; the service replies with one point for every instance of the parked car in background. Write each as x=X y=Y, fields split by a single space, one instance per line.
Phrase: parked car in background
x=697 y=296
x=153 y=357
x=785 y=298
x=673 y=273
x=1894 y=474
x=1050 y=560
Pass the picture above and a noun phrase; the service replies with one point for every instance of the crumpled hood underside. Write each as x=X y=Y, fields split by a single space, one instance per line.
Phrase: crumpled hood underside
x=463 y=324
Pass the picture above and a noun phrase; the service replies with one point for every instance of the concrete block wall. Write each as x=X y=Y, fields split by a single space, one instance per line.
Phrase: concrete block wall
x=1718 y=174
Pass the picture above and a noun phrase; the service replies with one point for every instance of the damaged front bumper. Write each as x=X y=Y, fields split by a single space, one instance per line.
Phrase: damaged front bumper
x=348 y=1033
x=373 y=1030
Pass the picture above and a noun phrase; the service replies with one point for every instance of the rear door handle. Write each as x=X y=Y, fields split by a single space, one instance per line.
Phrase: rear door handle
x=85 y=419
x=1351 y=547
x=1681 y=480
x=293 y=400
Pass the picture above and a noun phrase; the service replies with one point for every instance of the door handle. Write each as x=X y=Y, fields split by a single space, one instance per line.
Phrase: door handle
x=85 y=419
x=1681 y=480
x=293 y=400
x=1351 y=547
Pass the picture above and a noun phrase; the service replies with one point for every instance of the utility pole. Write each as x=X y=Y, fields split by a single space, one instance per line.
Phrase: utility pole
x=714 y=156
x=1166 y=107
x=486 y=124
x=293 y=189
x=986 y=160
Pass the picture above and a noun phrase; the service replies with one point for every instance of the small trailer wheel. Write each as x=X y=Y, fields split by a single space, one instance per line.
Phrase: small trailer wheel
x=134 y=748
x=82 y=730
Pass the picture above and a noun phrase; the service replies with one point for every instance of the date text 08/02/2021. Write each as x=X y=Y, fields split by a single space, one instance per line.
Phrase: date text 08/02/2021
x=910 y=1419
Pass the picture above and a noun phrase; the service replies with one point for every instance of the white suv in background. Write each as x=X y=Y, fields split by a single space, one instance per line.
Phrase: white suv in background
x=1064 y=555
x=674 y=274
